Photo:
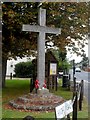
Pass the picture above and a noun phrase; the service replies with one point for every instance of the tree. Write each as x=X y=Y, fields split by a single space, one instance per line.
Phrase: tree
x=63 y=64
x=85 y=61
x=24 y=69
x=15 y=43
x=72 y=18
x=60 y=55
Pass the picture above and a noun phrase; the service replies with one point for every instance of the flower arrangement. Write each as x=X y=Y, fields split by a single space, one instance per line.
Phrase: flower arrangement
x=36 y=84
x=44 y=85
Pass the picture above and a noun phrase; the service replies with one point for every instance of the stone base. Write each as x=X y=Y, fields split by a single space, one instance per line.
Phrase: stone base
x=43 y=101
x=43 y=91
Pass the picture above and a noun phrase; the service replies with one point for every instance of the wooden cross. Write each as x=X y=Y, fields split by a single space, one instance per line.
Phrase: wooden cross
x=42 y=30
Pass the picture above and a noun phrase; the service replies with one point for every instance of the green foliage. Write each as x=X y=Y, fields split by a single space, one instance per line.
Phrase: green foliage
x=60 y=55
x=24 y=69
x=14 y=15
x=72 y=18
x=63 y=65
x=62 y=61
x=85 y=61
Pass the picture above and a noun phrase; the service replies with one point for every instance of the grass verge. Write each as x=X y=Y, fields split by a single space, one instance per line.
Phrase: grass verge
x=17 y=88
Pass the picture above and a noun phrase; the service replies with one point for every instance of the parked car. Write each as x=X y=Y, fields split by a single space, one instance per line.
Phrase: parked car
x=77 y=70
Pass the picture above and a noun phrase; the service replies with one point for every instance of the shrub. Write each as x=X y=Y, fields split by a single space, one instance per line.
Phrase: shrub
x=24 y=69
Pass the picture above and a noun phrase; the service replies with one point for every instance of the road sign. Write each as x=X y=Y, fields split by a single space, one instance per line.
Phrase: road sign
x=64 y=109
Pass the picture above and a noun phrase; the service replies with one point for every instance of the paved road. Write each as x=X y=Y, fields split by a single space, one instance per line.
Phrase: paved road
x=81 y=75
x=86 y=77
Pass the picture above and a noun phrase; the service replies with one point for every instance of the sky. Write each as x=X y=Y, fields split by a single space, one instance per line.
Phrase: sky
x=74 y=56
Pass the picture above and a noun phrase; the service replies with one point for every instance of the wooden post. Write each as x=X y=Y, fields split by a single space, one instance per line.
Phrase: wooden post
x=11 y=76
x=68 y=117
x=74 y=117
x=55 y=115
x=81 y=96
x=48 y=82
x=53 y=82
x=74 y=84
x=69 y=81
x=31 y=85
x=82 y=89
x=80 y=102
x=56 y=83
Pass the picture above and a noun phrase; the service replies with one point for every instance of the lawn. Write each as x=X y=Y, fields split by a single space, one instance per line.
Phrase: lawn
x=17 y=88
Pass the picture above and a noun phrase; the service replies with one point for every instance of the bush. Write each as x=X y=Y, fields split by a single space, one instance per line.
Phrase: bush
x=24 y=69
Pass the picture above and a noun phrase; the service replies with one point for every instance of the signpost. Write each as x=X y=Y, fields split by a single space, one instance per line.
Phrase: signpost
x=64 y=109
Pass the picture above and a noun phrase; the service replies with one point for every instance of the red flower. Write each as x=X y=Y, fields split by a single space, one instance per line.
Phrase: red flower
x=37 y=84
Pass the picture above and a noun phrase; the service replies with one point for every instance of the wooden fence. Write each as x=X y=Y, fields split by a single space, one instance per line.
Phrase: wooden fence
x=77 y=97
x=78 y=90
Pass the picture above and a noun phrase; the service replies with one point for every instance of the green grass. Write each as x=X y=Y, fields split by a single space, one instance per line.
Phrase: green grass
x=18 y=114
x=16 y=88
x=84 y=112
x=63 y=92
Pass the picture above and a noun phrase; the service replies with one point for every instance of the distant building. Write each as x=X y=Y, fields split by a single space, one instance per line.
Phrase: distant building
x=11 y=64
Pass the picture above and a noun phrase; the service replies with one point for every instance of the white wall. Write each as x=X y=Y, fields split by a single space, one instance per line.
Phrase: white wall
x=13 y=62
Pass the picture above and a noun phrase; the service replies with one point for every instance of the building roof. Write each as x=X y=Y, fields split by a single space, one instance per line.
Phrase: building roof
x=47 y=54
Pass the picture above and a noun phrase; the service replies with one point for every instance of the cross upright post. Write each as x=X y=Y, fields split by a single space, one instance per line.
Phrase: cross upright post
x=41 y=48
x=42 y=29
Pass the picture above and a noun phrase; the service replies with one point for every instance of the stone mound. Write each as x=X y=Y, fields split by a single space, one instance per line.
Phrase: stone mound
x=37 y=102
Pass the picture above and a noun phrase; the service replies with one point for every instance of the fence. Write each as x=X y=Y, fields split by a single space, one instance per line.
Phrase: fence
x=62 y=110
x=77 y=97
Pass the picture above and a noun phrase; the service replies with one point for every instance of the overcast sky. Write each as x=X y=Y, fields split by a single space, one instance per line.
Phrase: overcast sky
x=74 y=56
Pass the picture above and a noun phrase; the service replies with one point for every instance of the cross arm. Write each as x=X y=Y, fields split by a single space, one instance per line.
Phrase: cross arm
x=37 y=28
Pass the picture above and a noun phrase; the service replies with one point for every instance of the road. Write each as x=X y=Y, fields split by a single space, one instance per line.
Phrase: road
x=86 y=77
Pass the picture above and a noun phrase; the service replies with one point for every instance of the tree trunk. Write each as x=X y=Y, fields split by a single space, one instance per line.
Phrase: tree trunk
x=4 y=68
